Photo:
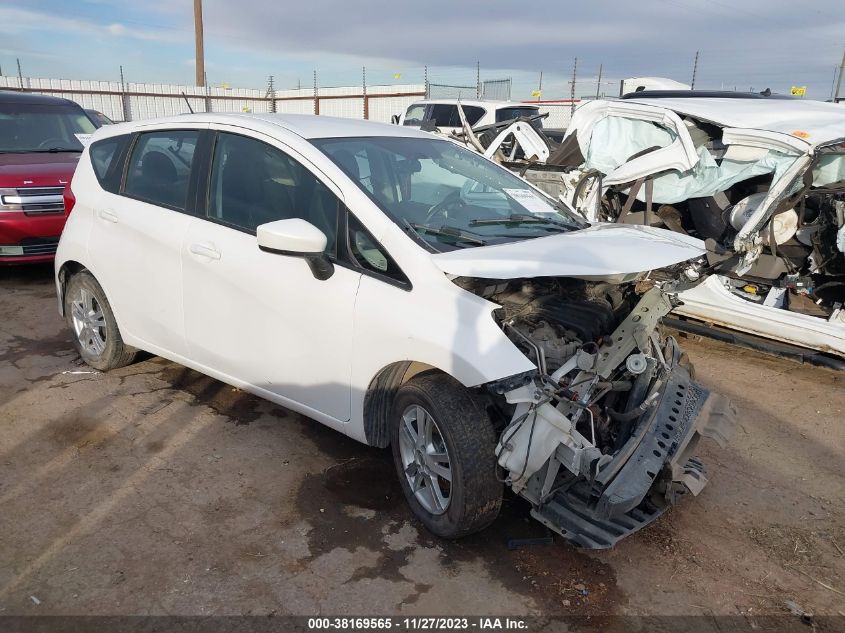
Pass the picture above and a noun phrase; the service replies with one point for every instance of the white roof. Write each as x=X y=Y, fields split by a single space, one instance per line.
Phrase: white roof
x=307 y=126
x=812 y=121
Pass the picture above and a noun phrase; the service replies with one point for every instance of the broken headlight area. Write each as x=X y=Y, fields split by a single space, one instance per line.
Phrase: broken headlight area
x=601 y=437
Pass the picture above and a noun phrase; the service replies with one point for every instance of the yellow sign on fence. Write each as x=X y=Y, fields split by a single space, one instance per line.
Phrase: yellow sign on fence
x=798 y=91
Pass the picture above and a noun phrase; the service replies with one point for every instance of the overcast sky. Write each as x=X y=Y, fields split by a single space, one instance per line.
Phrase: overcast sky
x=757 y=43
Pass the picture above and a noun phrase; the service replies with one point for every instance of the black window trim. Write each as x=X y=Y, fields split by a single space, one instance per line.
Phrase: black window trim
x=190 y=206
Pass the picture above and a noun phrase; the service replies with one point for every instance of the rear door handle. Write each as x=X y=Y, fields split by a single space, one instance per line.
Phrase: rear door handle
x=108 y=215
x=205 y=250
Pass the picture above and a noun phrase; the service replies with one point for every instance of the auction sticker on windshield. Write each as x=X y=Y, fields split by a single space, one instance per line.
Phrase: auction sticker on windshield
x=532 y=202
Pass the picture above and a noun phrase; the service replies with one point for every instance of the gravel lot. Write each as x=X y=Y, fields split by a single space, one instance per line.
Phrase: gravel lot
x=156 y=490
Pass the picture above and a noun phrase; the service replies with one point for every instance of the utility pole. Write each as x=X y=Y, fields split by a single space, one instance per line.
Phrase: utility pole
x=426 y=81
x=200 y=62
x=540 y=87
x=316 y=98
x=478 y=80
x=572 y=88
x=271 y=93
x=20 y=75
x=839 y=81
x=364 y=92
x=694 y=70
x=598 y=83
x=124 y=98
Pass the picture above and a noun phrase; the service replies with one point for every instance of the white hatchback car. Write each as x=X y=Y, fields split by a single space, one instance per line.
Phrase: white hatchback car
x=405 y=291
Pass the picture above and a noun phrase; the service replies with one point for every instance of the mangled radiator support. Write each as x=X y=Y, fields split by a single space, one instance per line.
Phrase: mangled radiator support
x=592 y=494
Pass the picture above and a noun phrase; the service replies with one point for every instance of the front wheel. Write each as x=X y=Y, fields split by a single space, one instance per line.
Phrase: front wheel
x=91 y=321
x=444 y=451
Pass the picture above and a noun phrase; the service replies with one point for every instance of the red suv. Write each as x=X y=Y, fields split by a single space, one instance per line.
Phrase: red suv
x=41 y=139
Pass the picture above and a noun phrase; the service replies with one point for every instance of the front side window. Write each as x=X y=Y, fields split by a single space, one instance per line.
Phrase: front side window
x=31 y=127
x=253 y=183
x=160 y=167
x=450 y=196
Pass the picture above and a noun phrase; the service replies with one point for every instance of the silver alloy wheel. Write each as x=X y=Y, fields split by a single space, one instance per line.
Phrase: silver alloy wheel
x=425 y=459
x=89 y=324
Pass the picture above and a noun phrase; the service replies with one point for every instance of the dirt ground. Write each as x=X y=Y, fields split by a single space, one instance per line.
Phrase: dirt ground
x=156 y=490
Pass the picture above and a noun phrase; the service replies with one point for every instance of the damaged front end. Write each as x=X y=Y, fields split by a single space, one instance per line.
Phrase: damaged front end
x=601 y=437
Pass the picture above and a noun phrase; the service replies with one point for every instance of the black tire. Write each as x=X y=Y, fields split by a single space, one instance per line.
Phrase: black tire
x=114 y=353
x=475 y=492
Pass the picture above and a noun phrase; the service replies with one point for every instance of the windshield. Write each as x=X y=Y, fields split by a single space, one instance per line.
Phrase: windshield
x=447 y=195
x=30 y=127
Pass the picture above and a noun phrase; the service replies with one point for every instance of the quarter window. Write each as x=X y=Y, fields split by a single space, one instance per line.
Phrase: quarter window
x=160 y=167
x=103 y=154
x=253 y=183
x=370 y=255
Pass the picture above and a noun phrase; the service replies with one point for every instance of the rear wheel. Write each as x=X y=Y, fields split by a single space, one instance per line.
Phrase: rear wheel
x=91 y=321
x=444 y=450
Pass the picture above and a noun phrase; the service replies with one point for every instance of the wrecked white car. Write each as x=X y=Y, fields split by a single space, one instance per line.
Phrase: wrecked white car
x=762 y=180
x=407 y=292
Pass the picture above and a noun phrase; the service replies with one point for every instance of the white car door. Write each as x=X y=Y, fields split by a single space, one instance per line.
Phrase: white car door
x=136 y=240
x=260 y=319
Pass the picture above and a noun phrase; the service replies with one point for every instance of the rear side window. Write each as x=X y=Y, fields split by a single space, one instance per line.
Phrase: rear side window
x=106 y=161
x=160 y=167
x=446 y=114
x=506 y=114
x=473 y=114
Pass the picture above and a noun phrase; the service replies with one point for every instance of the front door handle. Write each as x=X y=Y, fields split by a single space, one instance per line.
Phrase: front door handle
x=205 y=250
x=108 y=215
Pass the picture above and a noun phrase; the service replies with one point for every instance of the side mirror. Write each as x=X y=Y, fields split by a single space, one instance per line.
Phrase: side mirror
x=297 y=238
x=395 y=119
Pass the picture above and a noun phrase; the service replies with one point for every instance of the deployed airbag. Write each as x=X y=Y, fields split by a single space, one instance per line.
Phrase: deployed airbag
x=615 y=140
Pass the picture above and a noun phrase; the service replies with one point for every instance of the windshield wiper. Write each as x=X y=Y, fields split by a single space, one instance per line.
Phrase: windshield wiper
x=53 y=150
x=448 y=231
x=520 y=218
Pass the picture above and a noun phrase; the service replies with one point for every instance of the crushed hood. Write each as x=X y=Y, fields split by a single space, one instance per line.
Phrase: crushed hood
x=602 y=251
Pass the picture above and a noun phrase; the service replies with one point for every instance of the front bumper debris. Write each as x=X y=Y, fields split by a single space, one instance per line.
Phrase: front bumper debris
x=648 y=475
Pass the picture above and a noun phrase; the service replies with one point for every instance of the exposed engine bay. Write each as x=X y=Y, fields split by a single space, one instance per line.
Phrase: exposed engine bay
x=600 y=439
